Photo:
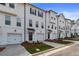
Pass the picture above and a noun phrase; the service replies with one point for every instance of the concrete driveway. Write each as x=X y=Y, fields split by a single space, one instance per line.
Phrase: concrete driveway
x=14 y=50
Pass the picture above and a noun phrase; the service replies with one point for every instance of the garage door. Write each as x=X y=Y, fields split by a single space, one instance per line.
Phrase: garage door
x=40 y=37
x=14 y=38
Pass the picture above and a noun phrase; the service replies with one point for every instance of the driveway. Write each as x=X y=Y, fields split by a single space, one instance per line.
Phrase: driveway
x=14 y=50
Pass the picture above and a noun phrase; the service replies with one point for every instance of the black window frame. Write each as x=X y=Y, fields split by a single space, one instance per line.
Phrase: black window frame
x=37 y=24
x=42 y=25
x=30 y=23
x=31 y=12
x=52 y=26
x=12 y=5
x=40 y=14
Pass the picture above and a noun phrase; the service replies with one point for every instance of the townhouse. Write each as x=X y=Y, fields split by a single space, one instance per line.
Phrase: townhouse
x=75 y=28
x=61 y=25
x=68 y=27
x=25 y=22
x=51 y=25
x=35 y=23
x=11 y=23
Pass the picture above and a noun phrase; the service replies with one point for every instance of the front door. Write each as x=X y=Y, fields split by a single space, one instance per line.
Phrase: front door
x=30 y=36
x=48 y=35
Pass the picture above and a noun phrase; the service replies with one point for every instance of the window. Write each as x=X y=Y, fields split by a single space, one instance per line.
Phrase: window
x=54 y=18
x=40 y=14
x=59 y=27
x=55 y=27
x=42 y=25
x=52 y=27
x=60 y=20
x=12 y=5
x=37 y=23
x=7 y=20
x=48 y=26
x=30 y=23
x=2 y=3
x=18 y=22
x=32 y=11
x=51 y=17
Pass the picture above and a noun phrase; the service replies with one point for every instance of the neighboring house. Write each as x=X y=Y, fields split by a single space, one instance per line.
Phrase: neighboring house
x=68 y=27
x=11 y=23
x=51 y=25
x=75 y=28
x=61 y=26
x=35 y=23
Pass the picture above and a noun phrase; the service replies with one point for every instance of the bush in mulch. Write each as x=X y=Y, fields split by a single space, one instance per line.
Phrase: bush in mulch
x=54 y=40
x=2 y=48
x=61 y=41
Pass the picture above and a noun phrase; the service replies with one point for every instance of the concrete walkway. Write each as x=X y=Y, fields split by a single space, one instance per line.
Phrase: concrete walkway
x=14 y=50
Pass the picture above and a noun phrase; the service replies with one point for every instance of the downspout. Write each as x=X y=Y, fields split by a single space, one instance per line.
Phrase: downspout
x=57 y=28
x=45 y=25
x=24 y=22
x=65 y=28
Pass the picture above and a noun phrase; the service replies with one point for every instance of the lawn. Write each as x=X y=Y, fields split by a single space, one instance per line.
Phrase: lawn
x=63 y=42
x=33 y=47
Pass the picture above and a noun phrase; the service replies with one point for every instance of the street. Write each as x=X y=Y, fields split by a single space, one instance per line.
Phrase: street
x=71 y=51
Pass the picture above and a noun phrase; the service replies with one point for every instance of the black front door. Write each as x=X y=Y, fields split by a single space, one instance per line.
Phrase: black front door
x=48 y=35
x=30 y=36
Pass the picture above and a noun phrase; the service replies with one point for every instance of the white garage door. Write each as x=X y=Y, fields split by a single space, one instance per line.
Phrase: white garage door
x=14 y=38
x=40 y=37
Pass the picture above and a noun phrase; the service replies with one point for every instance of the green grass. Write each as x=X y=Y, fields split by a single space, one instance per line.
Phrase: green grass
x=63 y=42
x=31 y=47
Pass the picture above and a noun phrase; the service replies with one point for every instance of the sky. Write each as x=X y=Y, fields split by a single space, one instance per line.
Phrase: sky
x=70 y=10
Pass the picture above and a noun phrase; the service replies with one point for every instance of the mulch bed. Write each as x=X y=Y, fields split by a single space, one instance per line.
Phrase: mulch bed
x=61 y=41
x=31 y=47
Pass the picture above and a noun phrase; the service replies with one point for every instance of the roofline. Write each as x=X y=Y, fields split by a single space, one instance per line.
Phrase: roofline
x=53 y=11
x=35 y=6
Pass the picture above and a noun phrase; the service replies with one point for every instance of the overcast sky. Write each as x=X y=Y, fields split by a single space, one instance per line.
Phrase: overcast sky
x=70 y=10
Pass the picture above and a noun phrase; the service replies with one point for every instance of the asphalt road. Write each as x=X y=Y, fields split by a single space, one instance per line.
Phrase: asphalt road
x=71 y=51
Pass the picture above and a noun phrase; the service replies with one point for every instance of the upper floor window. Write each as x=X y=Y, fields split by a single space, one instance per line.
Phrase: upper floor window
x=55 y=27
x=37 y=24
x=52 y=27
x=32 y=11
x=48 y=26
x=54 y=18
x=59 y=27
x=18 y=22
x=12 y=5
x=2 y=3
x=42 y=25
x=7 y=20
x=51 y=17
x=30 y=23
x=40 y=14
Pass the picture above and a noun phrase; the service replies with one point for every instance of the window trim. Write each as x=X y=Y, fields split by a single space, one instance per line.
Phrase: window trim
x=7 y=20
